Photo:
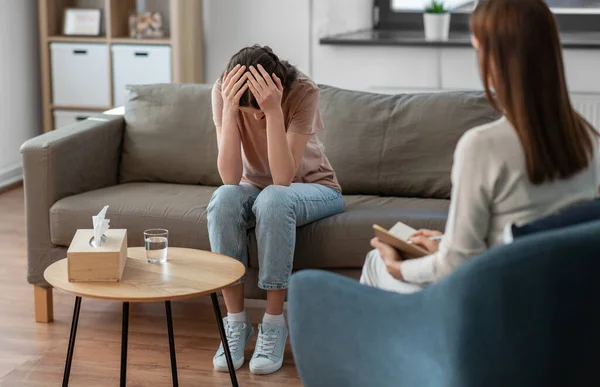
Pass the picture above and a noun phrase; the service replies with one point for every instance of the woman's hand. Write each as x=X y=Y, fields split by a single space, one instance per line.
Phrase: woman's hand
x=233 y=87
x=421 y=239
x=267 y=90
x=390 y=257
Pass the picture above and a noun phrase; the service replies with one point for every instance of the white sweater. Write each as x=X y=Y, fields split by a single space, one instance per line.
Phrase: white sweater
x=490 y=188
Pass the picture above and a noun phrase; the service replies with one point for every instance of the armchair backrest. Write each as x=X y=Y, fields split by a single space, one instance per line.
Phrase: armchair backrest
x=587 y=211
x=518 y=315
x=525 y=314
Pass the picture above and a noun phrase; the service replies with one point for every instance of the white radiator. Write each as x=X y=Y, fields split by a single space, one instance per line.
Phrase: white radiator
x=589 y=107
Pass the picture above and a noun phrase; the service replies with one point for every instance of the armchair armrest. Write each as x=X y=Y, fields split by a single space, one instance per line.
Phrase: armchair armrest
x=68 y=161
x=347 y=334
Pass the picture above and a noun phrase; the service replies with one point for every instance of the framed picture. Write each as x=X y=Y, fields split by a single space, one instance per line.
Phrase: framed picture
x=146 y=25
x=80 y=21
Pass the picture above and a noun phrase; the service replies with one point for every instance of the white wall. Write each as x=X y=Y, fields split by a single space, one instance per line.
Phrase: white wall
x=292 y=28
x=331 y=17
x=230 y=25
x=19 y=83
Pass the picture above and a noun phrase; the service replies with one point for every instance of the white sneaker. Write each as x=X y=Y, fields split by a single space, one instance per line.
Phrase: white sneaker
x=238 y=334
x=270 y=345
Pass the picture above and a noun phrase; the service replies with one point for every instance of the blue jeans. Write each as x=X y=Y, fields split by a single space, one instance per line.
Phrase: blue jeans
x=274 y=213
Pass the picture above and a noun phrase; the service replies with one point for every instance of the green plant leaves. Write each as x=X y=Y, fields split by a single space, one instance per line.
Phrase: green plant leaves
x=436 y=6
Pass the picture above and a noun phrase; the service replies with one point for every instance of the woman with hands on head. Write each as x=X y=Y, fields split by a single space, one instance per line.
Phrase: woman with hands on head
x=541 y=156
x=276 y=177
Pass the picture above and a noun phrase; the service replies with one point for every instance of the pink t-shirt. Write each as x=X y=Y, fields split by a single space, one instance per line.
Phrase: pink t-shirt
x=300 y=105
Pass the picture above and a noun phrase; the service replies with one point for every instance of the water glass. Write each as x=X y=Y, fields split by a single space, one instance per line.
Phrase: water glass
x=157 y=243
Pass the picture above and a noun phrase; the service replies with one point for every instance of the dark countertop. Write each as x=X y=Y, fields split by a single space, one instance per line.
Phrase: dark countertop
x=587 y=40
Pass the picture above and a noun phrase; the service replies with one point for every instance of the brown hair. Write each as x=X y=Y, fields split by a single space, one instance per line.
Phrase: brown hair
x=520 y=54
x=263 y=55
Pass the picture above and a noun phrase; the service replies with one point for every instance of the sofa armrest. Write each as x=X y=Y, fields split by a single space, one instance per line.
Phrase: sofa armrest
x=68 y=161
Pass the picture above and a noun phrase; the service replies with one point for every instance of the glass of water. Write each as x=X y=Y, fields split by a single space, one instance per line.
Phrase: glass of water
x=157 y=242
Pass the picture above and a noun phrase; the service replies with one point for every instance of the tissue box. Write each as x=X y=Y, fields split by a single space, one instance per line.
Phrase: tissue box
x=98 y=264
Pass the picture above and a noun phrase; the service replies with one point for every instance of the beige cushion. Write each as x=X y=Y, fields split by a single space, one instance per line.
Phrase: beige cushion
x=397 y=145
x=136 y=207
x=337 y=242
x=342 y=241
x=392 y=145
x=169 y=135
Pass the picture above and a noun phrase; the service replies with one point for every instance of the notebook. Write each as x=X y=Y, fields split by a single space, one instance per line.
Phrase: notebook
x=397 y=237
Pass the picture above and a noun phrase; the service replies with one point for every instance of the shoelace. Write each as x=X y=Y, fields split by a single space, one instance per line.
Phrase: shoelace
x=266 y=342
x=233 y=336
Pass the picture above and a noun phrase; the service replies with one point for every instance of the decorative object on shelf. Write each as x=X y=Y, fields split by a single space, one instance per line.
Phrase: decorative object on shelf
x=86 y=61
x=146 y=25
x=82 y=22
x=437 y=21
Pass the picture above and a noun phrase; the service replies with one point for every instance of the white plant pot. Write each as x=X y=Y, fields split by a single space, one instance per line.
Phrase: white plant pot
x=437 y=26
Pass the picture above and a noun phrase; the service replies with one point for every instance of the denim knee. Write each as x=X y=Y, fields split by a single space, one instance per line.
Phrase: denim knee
x=226 y=202
x=273 y=201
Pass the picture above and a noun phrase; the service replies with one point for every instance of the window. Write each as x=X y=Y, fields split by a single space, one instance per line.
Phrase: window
x=572 y=15
x=558 y=6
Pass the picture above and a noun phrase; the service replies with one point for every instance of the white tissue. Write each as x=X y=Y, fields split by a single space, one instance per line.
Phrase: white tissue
x=100 y=226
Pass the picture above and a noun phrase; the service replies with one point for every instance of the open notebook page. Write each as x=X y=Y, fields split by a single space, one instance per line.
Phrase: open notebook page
x=402 y=231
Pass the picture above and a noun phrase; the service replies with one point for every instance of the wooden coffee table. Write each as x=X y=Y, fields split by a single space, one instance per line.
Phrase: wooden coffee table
x=187 y=273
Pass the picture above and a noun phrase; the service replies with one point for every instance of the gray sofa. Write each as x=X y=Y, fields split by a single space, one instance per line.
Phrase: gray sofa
x=156 y=167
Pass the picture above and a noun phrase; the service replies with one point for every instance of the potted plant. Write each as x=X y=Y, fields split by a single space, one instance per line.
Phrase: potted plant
x=437 y=21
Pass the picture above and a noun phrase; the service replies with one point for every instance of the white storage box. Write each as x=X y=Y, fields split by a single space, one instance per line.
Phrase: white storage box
x=80 y=74
x=68 y=117
x=139 y=65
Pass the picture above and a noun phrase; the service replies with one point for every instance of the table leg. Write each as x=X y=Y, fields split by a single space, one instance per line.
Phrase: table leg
x=215 y=302
x=171 y=344
x=69 y=360
x=124 y=333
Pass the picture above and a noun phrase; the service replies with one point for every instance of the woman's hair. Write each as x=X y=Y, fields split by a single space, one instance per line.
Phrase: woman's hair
x=263 y=55
x=520 y=55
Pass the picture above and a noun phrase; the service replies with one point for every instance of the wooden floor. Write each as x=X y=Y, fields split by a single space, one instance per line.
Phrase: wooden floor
x=33 y=354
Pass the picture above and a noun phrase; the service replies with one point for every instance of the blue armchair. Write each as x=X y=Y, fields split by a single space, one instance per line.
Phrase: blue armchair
x=525 y=314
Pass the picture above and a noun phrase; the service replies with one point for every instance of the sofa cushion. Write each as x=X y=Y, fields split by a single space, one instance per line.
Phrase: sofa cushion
x=169 y=135
x=397 y=145
x=136 y=207
x=342 y=241
x=337 y=242
x=391 y=145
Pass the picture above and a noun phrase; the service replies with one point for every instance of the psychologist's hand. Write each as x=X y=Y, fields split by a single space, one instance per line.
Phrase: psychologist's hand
x=421 y=239
x=233 y=87
x=267 y=89
x=390 y=257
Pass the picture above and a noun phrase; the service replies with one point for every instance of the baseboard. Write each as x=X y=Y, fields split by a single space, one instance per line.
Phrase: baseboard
x=10 y=175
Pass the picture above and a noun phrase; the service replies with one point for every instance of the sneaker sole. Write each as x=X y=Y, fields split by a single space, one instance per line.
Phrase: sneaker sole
x=267 y=370
x=225 y=368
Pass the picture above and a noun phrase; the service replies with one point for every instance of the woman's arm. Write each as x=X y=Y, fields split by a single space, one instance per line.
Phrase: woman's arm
x=468 y=220
x=285 y=150
x=229 y=161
